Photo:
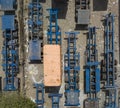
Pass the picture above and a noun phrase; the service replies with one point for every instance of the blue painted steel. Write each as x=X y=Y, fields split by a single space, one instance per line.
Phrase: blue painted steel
x=97 y=73
x=10 y=59
x=39 y=100
x=87 y=78
x=34 y=22
x=72 y=69
x=55 y=100
x=35 y=30
x=35 y=50
x=110 y=64
x=7 y=5
x=8 y=22
x=92 y=72
x=54 y=33
x=10 y=45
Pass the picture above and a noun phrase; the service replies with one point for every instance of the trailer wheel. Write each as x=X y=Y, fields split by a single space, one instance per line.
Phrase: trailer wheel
x=66 y=86
x=77 y=78
x=115 y=76
x=115 y=62
x=103 y=62
x=66 y=77
x=77 y=86
x=115 y=69
x=103 y=76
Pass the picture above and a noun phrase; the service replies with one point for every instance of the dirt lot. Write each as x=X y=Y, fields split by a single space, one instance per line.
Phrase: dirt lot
x=34 y=72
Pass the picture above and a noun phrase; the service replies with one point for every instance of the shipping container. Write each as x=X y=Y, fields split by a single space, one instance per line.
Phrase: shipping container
x=34 y=50
x=52 y=65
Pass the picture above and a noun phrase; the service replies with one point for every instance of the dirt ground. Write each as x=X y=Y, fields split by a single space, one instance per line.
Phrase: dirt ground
x=34 y=72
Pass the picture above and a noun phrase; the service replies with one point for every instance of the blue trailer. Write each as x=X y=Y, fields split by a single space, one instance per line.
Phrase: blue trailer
x=35 y=25
x=92 y=71
x=54 y=32
x=71 y=70
x=109 y=63
x=10 y=53
x=39 y=95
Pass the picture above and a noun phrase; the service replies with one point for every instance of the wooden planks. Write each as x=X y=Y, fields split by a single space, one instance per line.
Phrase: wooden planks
x=52 y=65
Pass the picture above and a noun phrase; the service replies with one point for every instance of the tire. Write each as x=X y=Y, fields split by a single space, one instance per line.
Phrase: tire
x=77 y=86
x=115 y=62
x=66 y=86
x=77 y=78
x=66 y=78
x=103 y=76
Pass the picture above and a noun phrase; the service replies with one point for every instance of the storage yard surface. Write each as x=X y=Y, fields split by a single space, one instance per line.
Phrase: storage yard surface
x=34 y=73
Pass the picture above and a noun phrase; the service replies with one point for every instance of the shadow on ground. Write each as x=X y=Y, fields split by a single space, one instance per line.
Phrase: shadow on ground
x=100 y=5
x=62 y=7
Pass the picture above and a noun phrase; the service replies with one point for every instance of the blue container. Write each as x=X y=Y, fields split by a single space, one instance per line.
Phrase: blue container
x=34 y=50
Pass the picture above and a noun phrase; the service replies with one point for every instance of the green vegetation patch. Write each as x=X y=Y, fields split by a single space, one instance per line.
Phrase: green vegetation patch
x=13 y=100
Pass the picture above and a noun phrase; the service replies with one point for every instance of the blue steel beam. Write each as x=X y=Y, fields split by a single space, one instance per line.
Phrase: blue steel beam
x=39 y=92
x=55 y=100
x=92 y=71
x=54 y=33
x=110 y=86
x=71 y=70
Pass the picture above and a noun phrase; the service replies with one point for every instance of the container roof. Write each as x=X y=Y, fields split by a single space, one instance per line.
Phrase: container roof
x=7 y=4
x=8 y=22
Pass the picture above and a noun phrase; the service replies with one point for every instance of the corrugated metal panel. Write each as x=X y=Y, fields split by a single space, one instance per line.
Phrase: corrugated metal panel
x=35 y=50
x=91 y=104
x=8 y=22
x=72 y=98
x=97 y=80
x=87 y=81
x=7 y=4
x=83 y=17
